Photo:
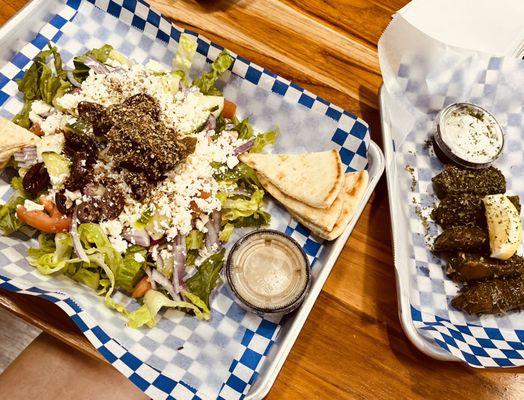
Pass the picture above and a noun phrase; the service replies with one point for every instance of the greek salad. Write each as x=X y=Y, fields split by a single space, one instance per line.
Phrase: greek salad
x=134 y=182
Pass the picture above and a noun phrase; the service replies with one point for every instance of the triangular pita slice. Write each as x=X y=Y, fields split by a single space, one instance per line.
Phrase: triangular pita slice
x=354 y=188
x=321 y=217
x=12 y=139
x=314 y=179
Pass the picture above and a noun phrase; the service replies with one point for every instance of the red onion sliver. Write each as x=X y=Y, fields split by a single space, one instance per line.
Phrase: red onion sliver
x=179 y=262
x=211 y=123
x=165 y=283
x=213 y=229
x=149 y=275
x=73 y=80
x=96 y=66
x=245 y=147
x=138 y=236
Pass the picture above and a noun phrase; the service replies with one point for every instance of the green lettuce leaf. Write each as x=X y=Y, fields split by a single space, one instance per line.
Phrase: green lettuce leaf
x=98 y=259
x=244 y=129
x=81 y=71
x=263 y=140
x=51 y=257
x=22 y=118
x=206 y=83
x=206 y=279
x=40 y=82
x=226 y=232
x=87 y=277
x=9 y=222
x=184 y=55
x=154 y=301
x=130 y=271
x=242 y=176
x=191 y=257
x=195 y=240
x=237 y=206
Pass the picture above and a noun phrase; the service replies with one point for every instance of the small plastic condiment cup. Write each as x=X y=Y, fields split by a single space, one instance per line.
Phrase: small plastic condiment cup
x=445 y=153
x=268 y=272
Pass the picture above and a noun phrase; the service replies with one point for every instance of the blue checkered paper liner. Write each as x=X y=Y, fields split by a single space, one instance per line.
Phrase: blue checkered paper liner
x=497 y=85
x=181 y=358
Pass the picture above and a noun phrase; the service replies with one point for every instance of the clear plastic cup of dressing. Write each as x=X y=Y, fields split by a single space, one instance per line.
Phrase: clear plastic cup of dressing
x=269 y=272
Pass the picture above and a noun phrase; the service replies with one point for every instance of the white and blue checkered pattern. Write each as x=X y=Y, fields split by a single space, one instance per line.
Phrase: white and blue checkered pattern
x=495 y=84
x=181 y=358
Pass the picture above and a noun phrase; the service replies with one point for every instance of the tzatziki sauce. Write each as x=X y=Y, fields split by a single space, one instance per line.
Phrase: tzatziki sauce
x=471 y=133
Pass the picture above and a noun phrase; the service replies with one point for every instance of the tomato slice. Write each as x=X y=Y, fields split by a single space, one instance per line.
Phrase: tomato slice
x=229 y=110
x=49 y=221
x=141 y=288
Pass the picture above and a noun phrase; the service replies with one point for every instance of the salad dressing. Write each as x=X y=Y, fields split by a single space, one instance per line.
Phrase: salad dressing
x=268 y=272
x=469 y=135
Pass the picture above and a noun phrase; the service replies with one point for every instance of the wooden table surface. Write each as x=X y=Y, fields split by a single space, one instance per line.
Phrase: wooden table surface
x=352 y=345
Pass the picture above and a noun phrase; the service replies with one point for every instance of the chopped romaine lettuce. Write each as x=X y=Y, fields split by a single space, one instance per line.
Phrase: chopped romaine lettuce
x=195 y=240
x=52 y=257
x=131 y=270
x=154 y=301
x=81 y=71
x=144 y=218
x=9 y=222
x=206 y=279
x=87 y=277
x=22 y=118
x=226 y=232
x=244 y=129
x=263 y=140
x=184 y=55
x=40 y=82
x=206 y=83
x=243 y=212
x=242 y=175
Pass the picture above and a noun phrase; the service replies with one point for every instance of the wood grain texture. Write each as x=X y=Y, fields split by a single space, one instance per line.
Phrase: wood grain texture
x=352 y=346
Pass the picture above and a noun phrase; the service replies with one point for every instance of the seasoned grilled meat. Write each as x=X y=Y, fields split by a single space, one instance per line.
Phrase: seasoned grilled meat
x=453 y=180
x=463 y=210
x=466 y=267
x=499 y=295
x=467 y=238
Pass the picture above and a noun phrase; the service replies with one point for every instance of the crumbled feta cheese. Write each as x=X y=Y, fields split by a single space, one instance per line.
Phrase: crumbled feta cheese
x=56 y=122
x=232 y=162
x=32 y=206
x=139 y=258
x=113 y=229
x=67 y=102
x=39 y=109
x=50 y=143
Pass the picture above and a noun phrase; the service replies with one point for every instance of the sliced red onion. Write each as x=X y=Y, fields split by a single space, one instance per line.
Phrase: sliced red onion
x=165 y=283
x=189 y=273
x=179 y=262
x=213 y=229
x=137 y=236
x=96 y=66
x=73 y=80
x=26 y=157
x=77 y=245
x=149 y=276
x=211 y=123
x=245 y=147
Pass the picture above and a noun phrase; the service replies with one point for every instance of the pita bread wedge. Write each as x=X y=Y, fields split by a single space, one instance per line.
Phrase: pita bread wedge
x=12 y=139
x=314 y=179
x=324 y=218
x=354 y=187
